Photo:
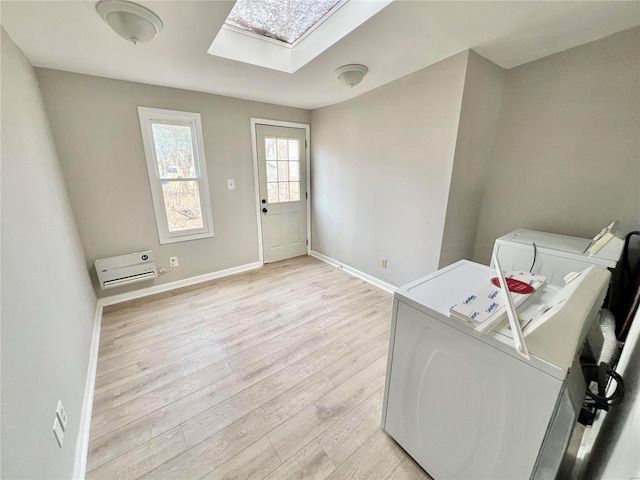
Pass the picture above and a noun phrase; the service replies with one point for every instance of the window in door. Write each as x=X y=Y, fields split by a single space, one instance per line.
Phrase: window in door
x=177 y=174
x=283 y=169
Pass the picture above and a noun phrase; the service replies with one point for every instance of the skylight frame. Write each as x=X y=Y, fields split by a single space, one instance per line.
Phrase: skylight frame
x=247 y=47
x=257 y=36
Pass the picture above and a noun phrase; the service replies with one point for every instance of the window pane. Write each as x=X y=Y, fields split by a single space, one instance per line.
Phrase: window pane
x=272 y=192
x=295 y=191
x=294 y=171
x=272 y=171
x=283 y=175
x=283 y=191
x=283 y=171
x=293 y=150
x=182 y=203
x=270 y=147
x=174 y=150
x=282 y=149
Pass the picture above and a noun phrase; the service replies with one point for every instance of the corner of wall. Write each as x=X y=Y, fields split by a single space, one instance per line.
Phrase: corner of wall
x=565 y=158
x=479 y=113
x=381 y=172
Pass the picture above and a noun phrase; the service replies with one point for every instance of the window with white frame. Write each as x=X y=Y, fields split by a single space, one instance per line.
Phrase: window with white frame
x=176 y=164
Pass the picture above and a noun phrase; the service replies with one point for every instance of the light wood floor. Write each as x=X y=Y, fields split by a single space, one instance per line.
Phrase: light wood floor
x=275 y=373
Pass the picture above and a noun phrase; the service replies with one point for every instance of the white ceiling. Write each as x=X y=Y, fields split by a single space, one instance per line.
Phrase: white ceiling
x=404 y=37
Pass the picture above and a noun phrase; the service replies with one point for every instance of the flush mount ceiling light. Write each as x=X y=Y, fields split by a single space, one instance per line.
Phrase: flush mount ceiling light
x=131 y=21
x=351 y=75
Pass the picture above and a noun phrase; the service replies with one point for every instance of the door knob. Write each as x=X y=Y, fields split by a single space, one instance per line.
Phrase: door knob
x=264 y=210
x=264 y=200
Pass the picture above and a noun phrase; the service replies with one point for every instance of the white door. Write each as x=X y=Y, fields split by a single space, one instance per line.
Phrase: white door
x=282 y=184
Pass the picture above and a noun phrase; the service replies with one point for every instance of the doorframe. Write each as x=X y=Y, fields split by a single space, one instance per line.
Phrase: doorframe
x=254 y=146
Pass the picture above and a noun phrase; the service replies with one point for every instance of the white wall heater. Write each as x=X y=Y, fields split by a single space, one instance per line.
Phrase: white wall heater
x=125 y=269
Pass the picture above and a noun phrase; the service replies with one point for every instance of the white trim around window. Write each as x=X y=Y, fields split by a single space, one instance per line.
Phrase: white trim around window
x=188 y=217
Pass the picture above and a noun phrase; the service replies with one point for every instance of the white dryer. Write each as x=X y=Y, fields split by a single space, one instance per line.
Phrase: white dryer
x=553 y=255
x=467 y=406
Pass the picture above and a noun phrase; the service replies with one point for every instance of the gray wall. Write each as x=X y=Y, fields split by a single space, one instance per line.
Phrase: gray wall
x=567 y=157
x=479 y=115
x=96 y=129
x=381 y=169
x=48 y=305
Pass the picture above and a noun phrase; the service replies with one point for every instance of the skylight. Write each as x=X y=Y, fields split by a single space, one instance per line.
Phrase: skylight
x=284 y=20
x=285 y=35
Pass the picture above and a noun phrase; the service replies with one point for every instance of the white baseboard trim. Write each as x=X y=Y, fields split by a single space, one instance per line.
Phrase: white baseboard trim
x=82 y=444
x=186 y=282
x=356 y=273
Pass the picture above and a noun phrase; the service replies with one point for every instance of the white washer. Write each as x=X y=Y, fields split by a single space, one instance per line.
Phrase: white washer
x=467 y=406
x=555 y=255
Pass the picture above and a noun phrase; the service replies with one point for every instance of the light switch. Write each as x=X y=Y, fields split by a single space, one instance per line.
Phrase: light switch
x=58 y=432
x=62 y=415
x=231 y=184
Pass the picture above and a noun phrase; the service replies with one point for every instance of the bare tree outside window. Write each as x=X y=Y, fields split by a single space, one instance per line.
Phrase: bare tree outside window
x=174 y=154
x=283 y=169
x=174 y=151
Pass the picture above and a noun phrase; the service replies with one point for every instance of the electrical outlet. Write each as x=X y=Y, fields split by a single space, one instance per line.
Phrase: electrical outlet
x=231 y=184
x=173 y=262
x=383 y=263
x=62 y=415
x=58 y=432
